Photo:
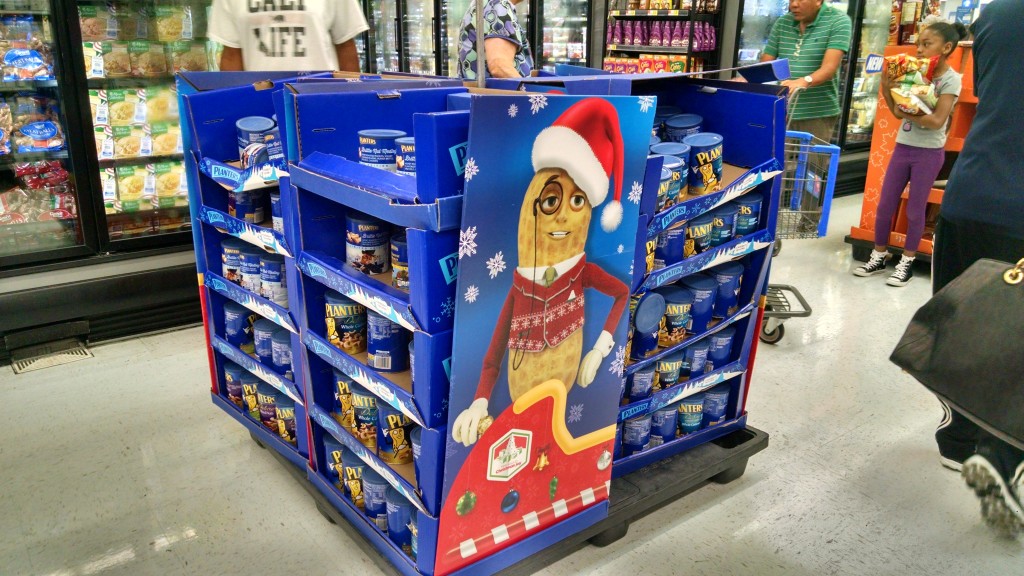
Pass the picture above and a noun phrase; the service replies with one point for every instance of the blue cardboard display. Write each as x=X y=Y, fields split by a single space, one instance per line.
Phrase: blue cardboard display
x=267 y=438
x=256 y=303
x=727 y=252
x=640 y=460
x=682 y=390
x=266 y=238
x=253 y=365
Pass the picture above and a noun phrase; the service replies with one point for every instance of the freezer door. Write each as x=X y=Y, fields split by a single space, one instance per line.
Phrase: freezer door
x=383 y=18
x=758 y=18
x=454 y=11
x=418 y=21
x=42 y=216
x=564 y=28
x=874 y=34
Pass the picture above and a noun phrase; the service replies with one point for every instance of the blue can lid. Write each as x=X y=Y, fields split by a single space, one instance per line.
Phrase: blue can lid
x=703 y=140
x=254 y=124
x=285 y=401
x=395 y=498
x=250 y=250
x=233 y=243
x=671 y=162
x=699 y=282
x=727 y=332
x=356 y=216
x=684 y=121
x=701 y=220
x=666 y=174
x=677 y=149
x=655 y=140
x=264 y=325
x=649 y=312
x=727 y=209
x=370 y=476
x=676 y=294
x=272 y=258
x=416 y=435
x=728 y=269
x=333 y=297
x=234 y=307
x=749 y=199
x=382 y=133
x=282 y=336
x=407 y=140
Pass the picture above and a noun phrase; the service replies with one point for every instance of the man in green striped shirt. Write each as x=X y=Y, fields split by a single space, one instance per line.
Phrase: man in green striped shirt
x=813 y=36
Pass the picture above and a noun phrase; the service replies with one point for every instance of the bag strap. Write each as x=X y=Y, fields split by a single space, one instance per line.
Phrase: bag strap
x=1015 y=275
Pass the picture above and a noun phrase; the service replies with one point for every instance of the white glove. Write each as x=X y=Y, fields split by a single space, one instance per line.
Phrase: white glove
x=592 y=361
x=466 y=427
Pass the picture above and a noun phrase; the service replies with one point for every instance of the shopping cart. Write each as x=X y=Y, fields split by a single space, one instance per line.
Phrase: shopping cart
x=808 y=182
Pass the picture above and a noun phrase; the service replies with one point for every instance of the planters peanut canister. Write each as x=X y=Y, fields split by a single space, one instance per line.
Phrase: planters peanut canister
x=640 y=384
x=252 y=133
x=375 y=490
x=399 y=512
x=343 y=412
x=377 y=148
x=231 y=265
x=405 y=157
x=695 y=359
x=266 y=395
x=387 y=344
x=704 y=289
x=705 y=174
x=724 y=228
x=272 y=279
x=416 y=438
x=281 y=351
x=367 y=247
x=663 y=185
x=677 y=189
x=646 y=323
x=729 y=276
x=668 y=370
x=250 y=394
x=346 y=323
x=286 y=419
x=333 y=468
x=399 y=262
x=364 y=404
x=691 y=413
x=716 y=401
x=238 y=326
x=678 y=127
x=698 y=235
x=663 y=425
x=233 y=383
x=720 y=349
x=671 y=247
x=249 y=261
x=678 y=301
x=352 y=476
x=262 y=333
x=394 y=429
x=636 y=435
x=749 y=213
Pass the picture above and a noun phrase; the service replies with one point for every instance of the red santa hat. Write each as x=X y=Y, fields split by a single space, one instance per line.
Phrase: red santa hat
x=585 y=142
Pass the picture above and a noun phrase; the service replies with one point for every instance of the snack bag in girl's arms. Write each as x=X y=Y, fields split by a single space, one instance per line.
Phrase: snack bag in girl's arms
x=914 y=92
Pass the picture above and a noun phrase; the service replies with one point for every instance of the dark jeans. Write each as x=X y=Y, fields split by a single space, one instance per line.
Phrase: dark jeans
x=958 y=244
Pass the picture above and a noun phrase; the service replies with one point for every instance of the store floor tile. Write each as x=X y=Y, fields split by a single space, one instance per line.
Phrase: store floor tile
x=120 y=465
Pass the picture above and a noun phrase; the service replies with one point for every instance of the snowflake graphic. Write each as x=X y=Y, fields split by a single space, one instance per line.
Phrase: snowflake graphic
x=467 y=242
x=620 y=249
x=575 y=413
x=631 y=270
x=619 y=362
x=471 y=169
x=513 y=110
x=636 y=192
x=646 y=102
x=471 y=293
x=448 y=307
x=496 y=264
x=538 y=102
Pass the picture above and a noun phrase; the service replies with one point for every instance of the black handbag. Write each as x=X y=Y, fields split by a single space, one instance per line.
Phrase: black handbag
x=966 y=345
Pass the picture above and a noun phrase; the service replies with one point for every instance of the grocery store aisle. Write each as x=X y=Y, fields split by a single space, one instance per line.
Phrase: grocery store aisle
x=121 y=465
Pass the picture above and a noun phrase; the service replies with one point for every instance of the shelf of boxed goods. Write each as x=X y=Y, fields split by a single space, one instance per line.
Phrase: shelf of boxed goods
x=138 y=160
x=7 y=160
x=26 y=85
x=754 y=248
x=653 y=49
x=660 y=14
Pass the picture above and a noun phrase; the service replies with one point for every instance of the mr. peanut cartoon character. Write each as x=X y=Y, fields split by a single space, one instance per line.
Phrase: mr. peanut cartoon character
x=540 y=328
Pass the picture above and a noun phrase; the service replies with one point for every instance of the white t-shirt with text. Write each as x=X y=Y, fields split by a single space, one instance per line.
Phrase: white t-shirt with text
x=286 y=34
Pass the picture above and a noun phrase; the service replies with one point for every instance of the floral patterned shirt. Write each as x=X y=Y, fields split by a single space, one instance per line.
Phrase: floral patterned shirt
x=501 y=22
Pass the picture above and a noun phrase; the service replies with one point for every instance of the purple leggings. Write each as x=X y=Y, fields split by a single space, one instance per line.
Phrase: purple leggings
x=919 y=166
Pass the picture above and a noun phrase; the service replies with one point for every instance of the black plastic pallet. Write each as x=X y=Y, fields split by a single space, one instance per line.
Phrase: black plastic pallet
x=633 y=496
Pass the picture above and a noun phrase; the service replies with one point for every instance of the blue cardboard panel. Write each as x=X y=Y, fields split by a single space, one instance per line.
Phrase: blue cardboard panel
x=637 y=461
x=744 y=312
x=206 y=81
x=772 y=71
x=266 y=238
x=375 y=192
x=727 y=252
x=256 y=303
x=682 y=390
x=272 y=441
x=368 y=84
x=253 y=365
x=326 y=123
x=442 y=144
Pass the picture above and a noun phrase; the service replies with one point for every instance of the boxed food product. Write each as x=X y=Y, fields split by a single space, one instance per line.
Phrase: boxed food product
x=172 y=22
x=127 y=141
x=677 y=63
x=134 y=24
x=98 y=22
x=165 y=181
x=106 y=59
x=108 y=184
x=660 y=63
x=131 y=181
x=185 y=56
x=161 y=104
x=147 y=58
x=163 y=138
x=117 y=107
x=104 y=136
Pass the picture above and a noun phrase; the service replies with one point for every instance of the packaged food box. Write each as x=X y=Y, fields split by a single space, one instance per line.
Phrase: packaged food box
x=104 y=136
x=108 y=184
x=98 y=23
x=161 y=104
x=185 y=56
x=106 y=59
x=128 y=141
x=131 y=182
x=646 y=63
x=172 y=23
x=147 y=58
x=134 y=24
x=162 y=139
x=677 y=63
x=165 y=181
x=660 y=63
x=117 y=107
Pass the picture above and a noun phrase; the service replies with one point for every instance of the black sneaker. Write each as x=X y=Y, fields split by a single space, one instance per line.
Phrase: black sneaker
x=903 y=274
x=875 y=265
x=988 y=473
